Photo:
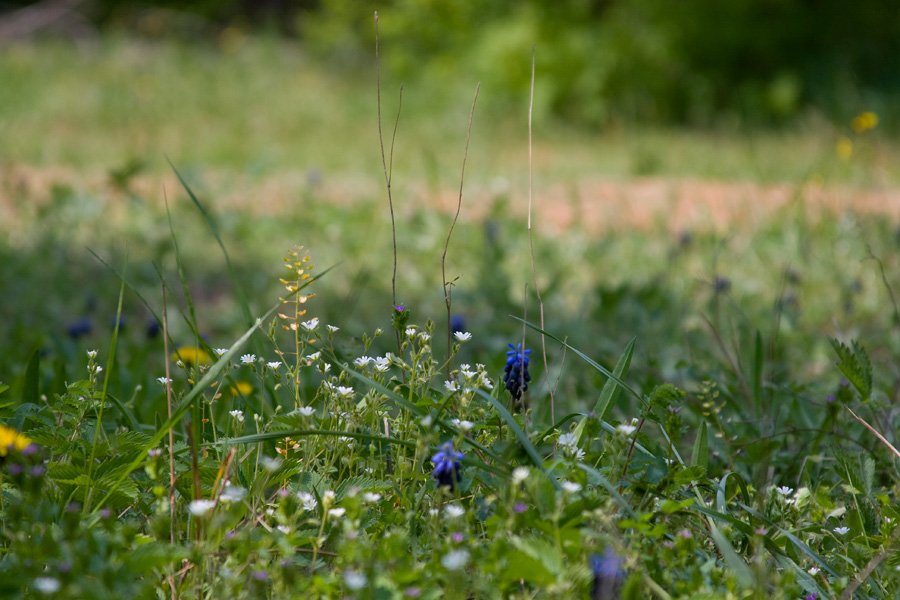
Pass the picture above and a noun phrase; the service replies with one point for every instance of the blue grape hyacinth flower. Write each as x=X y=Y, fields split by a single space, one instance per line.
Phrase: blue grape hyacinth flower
x=607 y=572
x=515 y=374
x=446 y=466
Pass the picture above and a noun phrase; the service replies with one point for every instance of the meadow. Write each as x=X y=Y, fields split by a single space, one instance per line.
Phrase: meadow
x=214 y=384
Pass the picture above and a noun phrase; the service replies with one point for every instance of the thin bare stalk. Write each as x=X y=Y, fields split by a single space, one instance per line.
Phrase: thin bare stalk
x=537 y=290
x=448 y=285
x=165 y=326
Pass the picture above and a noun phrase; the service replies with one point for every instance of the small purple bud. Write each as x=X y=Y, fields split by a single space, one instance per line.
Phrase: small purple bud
x=520 y=508
x=400 y=308
x=105 y=513
x=457 y=537
x=283 y=493
x=829 y=398
x=29 y=449
x=413 y=592
x=260 y=575
x=37 y=470
x=16 y=469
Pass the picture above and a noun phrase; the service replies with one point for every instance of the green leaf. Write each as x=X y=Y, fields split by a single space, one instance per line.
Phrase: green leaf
x=514 y=426
x=854 y=364
x=700 y=454
x=611 y=390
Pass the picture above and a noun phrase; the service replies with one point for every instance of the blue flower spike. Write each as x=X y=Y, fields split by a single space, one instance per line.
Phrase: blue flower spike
x=607 y=571
x=515 y=374
x=446 y=466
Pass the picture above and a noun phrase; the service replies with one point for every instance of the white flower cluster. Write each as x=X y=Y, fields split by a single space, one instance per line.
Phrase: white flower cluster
x=569 y=444
x=470 y=380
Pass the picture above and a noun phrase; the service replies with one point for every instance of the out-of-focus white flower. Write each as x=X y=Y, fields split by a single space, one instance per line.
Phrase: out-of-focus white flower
x=454 y=510
x=237 y=414
x=233 y=493
x=336 y=512
x=311 y=324
x=626 y=429
x=841 y=530
x=306 y=411
x=784 y=490
x=47 y=585
x=273 y=365
x=92 y=354
x=814 y=570
x=571 y=486
x=568 y=440
x=307 y=501
x=164 y=380
x=346 y=392
x=314 y=356
x=199 y=508
x=332 y=328
x=382 y=364
x=520 y=474
x=451 y=386
x=220 y=351
x=455 y=559
x=363 y=361
x=371 y=497
x=463 y=425
x=355 y=580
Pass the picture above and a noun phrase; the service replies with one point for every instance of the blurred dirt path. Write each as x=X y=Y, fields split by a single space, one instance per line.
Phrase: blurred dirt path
x=595 y=204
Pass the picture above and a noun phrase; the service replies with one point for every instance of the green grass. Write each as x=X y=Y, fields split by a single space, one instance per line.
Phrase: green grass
x=730 y=377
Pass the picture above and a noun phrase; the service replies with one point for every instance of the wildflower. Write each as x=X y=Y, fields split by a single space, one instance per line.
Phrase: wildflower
x=260 y=575
x=164 y=380
x=864 y=121
x=270 y=464
x=463 y=425
x=152 y=328
x=607 y=571
x=841 y=530
x=192 y=356
x=233 y=493
x=47 y=585
x=515 y=374
x=844 y=148
x=241 y=388
x=814 y=571
x=344 y=391
x=812 y=596
x=462 y=336
x=248 y=359
x=571 y=486
x=363 y=361
x=306 y=411
x=371 y=497
x=220 y=351
x=332 y=328
x=328 y=497
x=451 y=386
x=200 y=508
x=311 y=324
x=382 y=364
x=446 y=466
x=95 y=369
x=454 y=511
x=273 y=365
x=336 y=512
x=92 y=354
x=314 y=356
x=457 y=323
x=519 y=474
x=410 y=332
x=455 y=560
x=626 y=429
x=237 y=414
x=568 y=440
x=10 y=439
x=784 y=490
x=520 y=507
x=355 y=580
x=307 y=501
x=457 y=537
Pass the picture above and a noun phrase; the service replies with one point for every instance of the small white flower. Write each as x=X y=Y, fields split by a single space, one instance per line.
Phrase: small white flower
x=273 y=365
x=841 y=530
x=332 y=328
x=164 y=380
x=454 y=510
x=378 y=332
x=284 y=529
x=336 y=512
x=220 y=351
x=468 y=374
x=462 y=336
x=451 y=386
x=92 y=354
x=307 y=500
x=784 y=490
x=433 y=512
x=47 y=585
x=519 y=474
x=311 y=324
x=371 y=497
x=95 y=369
x=485 y=381
x=363 y=361
x=306 y=411
x=814 y=570
x=248 y=358
x=270 y=464
x=424 y=337
x=328 y=497
x=464 y=425
x=455 y=560
x=233 y=493
x=237 y=414
x=382 y=364
x=410 y=331
x=626 y=429
x=426 y=421
x=346 y=439
x=568 y=440
x=571 y=486
x=577 y=453
x=199 y=508
x=326 y=367
x=344 y=391
x=314 y=356
x=355 y=580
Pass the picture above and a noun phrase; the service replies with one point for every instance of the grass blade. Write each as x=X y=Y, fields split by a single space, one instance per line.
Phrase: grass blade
x=611 y=390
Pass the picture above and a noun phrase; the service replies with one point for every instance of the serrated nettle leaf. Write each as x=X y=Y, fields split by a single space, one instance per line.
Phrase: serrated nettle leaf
x=855 y=365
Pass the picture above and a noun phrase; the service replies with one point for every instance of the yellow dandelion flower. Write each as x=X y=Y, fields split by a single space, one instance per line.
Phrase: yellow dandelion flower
x=191 y=356
x=844 y=148
x=864 y=121
x=241 y=388
x=10 y=439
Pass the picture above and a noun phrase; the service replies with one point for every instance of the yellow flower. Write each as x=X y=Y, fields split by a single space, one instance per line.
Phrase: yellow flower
x=241 y=387
x=844 y=148
x=10 y=439
x=864 y=121
x=191 y=356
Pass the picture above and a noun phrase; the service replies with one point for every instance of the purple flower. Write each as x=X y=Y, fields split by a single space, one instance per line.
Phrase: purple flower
x=457 y=537
x=520 y=507
x=607 y=571
x=260 y=575
x=399 y=308
x=446 y=466
x=38 y=470
x=515 y=374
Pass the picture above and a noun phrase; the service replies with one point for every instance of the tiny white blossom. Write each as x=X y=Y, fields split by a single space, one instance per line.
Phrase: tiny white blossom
x=314 y=356
x=273 y=365
x=47 y=585
x=382 y=364
x=410 y=331
x=92 y=353
x=355 y=580
x=484 y=381
x=284 y=529
x=233 y=493
x=424 y=336
x=328 y=496
x=841 y=530
x=784 y=490
x=363 y=361
x=164 y=380
x=577 y=453
x=519 y=474
x=270 y=464
x=455 y=560
x=371 y=497
x=454 y=510
x=464 y=425
x=433 y=512
x=307 y=500
x=451 y=386
x=332 y=328
x=306 y=411
x=248 y=358
x=337 y=512
x=326 y=367
x=462 y=336
x=220 y=351
x=344 y=391
x=378 y=331
x=95 y=369
x=469 y=375
x=814 y=570
x=426 y=421
x=311 y=324
x=199 y=508
x=568 y=440
x=626 y=429
x=571 y=486
x=237 y=414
